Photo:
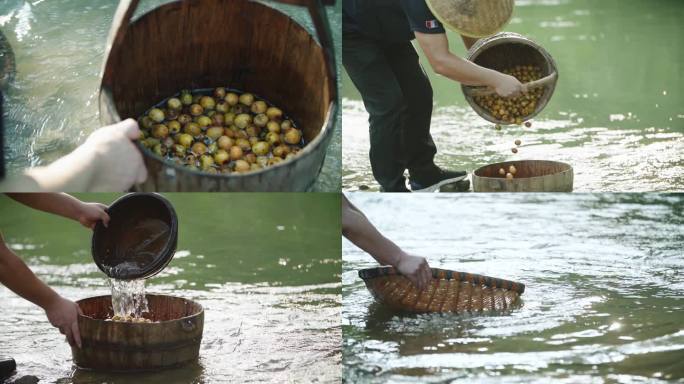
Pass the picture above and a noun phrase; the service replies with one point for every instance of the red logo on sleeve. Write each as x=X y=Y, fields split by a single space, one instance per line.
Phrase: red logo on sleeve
x=431 y=24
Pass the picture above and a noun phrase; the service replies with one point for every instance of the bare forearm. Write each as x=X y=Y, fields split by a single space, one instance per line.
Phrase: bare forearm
x=56 y=203
x=70 y=173
x=462 y=71
x=360 y=231
x=15 y=275
x=436 y=49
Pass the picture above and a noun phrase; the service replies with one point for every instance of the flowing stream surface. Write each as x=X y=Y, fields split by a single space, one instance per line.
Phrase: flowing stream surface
x=617 y=114
x=272 y=305
x=604 y=298
x=51 y=107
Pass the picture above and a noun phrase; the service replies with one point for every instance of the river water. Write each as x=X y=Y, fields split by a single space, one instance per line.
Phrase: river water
x=272 y=305
x=617 y=114
x=604 y=298
x=51 y=107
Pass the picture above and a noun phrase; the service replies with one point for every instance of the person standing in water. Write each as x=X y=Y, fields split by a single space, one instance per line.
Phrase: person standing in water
x=359 y=230
x=383 y=65
x=15 y=274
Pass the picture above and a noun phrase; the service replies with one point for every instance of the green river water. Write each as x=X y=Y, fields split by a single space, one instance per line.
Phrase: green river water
x=51 y=106
x=266 y=268
x=617 y=114
x=604 y=297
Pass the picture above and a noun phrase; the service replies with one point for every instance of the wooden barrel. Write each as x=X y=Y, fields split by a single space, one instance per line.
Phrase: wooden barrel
x=530 y=176
x=447 y=291
x=7 y=62
x=241 y=44
x=506 y=50
x=140 y=239
x=120 y=346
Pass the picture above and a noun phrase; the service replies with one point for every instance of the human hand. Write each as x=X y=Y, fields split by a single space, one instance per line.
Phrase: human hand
x=416 y=269
x=90 y=213
x=117 y=163
x=507 y=85
x=63 y=315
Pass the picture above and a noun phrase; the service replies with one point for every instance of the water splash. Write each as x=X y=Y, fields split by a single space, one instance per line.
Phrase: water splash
x=128 y=298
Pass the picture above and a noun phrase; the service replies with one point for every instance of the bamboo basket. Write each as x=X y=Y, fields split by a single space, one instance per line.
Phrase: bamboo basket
x=124 y=347
x=531 y=176
x=479 y=18
x=505 y=50
x=140 y=239
x=448 y=291
x=240 y=44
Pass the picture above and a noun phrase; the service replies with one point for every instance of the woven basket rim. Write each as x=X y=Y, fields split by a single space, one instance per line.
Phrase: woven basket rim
x=510 y=38
x=462 y=31
x=447 y=274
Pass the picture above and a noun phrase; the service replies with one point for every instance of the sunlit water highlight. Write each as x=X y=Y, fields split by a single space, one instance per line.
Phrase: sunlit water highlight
x=604 y=298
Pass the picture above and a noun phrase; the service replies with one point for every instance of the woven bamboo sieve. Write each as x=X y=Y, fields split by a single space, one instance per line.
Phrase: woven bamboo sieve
x=448 y=291
x=473 y=18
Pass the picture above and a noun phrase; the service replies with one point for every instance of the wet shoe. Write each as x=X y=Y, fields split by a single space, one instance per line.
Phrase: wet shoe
x=440 y=178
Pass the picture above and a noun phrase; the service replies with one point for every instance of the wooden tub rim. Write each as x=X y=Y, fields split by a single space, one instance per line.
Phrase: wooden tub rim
x=569 y=169
x=200 y=312
x=124 y=14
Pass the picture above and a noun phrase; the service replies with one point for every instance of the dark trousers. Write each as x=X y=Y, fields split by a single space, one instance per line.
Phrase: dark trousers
x=398 y=97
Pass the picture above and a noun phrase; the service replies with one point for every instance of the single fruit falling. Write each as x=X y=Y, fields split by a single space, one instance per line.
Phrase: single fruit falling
x=502 y=171
x=509 y=176
x=528 y=124
x=514 y=150
x=512 y=170
x=518 y=142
